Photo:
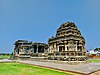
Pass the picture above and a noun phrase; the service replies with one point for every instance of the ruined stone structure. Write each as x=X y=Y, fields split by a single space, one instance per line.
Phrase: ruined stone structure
x=68 y=44
x=26 y=49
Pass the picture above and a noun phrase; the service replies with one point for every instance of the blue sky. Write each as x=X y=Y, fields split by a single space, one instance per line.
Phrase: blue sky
x=37 y=20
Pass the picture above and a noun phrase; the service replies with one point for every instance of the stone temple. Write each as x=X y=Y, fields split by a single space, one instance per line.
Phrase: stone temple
x=68 y=44
x=29 y=50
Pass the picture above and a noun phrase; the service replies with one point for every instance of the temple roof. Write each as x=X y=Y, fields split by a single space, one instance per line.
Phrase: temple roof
x=67 y=25
x=68 y=30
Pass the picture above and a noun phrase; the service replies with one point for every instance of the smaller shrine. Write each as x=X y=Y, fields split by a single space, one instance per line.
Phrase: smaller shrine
x=26 y=49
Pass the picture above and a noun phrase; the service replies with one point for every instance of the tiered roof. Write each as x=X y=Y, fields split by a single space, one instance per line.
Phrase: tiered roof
x=68 y=31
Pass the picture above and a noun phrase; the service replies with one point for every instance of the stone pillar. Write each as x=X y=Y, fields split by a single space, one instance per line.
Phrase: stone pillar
x=49 y=49
x=65 y=47
x=32 y=49
x=76 y=45
x=54 y=47
x=62 y=49
x=58 y=48
x=37 y=49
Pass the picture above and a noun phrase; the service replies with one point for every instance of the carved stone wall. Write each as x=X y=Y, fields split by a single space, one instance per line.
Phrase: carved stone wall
x=68 y=40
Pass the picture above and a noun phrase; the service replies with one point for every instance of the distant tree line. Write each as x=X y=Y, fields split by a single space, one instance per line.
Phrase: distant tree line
x=5 y=53
x=97 y=49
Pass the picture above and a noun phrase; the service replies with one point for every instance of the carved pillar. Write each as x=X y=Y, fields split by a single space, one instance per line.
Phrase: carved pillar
x=65 y=47
x=37 y=49
x=61 y=49
x=58 y=48
x=76 y=45
x=33 y=50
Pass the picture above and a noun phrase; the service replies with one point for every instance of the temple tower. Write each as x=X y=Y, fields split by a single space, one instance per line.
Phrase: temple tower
x=68 y=44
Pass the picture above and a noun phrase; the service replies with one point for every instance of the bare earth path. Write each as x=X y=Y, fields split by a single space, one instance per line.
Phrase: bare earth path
x=88 y=69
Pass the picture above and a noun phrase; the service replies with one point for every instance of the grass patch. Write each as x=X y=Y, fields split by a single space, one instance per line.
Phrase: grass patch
x=95 y=60
x=25 y=69
x=4 y=56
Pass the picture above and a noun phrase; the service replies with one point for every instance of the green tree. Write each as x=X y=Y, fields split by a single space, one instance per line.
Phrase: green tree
x=97 y=49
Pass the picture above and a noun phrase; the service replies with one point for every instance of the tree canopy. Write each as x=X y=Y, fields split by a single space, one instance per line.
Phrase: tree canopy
x=97 y=49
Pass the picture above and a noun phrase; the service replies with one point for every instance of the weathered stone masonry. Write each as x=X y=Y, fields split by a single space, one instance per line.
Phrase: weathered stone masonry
x=25 y=49
x=68 y=44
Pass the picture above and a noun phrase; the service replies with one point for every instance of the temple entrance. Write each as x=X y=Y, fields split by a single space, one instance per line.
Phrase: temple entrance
x=61 y=48
x=35 y=48
x=38 y=49
x=41 y=49
x=18 y=51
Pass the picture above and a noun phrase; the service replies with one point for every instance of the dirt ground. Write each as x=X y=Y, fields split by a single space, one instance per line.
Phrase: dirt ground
x=96 y=73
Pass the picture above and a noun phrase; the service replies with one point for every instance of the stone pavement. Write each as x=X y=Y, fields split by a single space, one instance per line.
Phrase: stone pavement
x=5 y=60
x=80 y=68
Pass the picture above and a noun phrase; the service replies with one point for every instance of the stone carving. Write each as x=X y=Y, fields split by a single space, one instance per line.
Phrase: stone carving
x=71 y=43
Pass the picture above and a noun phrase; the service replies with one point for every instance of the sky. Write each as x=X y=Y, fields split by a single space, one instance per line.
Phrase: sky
x=38 y=20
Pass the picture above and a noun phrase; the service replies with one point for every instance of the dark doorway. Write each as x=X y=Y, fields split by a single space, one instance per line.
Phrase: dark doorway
x=41 y=49
x=18 y=51
x=35 y=48
x=61 y=48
